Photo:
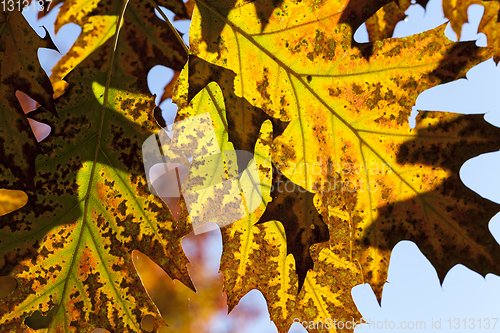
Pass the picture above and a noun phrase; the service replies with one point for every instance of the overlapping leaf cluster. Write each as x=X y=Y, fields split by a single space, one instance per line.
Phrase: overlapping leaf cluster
x=342 y=176
x=347 y=151
x=89 y=206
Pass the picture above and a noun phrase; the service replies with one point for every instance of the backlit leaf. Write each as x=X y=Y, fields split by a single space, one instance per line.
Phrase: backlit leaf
x=339 y=175
x=10 y=200
x=255 y=255
x=347 y=112
x=20 y=70
x=447 y=220
x=254 y=188
x=456 y=12
x=146 y=40
x=70 y=247
x=381 y=25
x=171 y=297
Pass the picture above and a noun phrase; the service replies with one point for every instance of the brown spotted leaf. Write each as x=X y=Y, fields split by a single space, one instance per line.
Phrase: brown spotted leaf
x=20 y=70
x=447 y=220
x=347 y=119
x=255 y=254
x=381 y=25
x=70 y=247
x=456 y=12
x=272 y=256
x=145 y=42
x=304 y=226
x=244 y=120
x=189 y=4
x=251 y=195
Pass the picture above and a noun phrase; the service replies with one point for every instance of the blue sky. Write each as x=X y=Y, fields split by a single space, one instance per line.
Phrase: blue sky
x=413 y=291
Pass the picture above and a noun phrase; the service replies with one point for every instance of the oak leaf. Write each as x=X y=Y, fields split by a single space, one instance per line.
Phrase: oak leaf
x=382 y=24
x=70 y=247
x=145 y=42
x=456 y=12
x=291 y=204
x=20 y=70
x=347 y=112
x=255 y=252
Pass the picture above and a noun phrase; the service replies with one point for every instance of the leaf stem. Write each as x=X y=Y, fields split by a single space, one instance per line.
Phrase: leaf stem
x=106 y=87
x=179 y=38
x=105 y=98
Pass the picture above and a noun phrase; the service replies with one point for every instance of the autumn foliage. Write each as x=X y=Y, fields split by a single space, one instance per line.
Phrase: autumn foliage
x=341 y=175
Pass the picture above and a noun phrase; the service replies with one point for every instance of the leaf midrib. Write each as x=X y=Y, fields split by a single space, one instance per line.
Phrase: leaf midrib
x=296 y=75
x=299 y=77
x=87 y=196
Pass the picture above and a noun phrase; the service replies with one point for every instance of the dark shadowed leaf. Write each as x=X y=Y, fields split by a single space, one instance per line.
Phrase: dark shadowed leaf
x=70 y=247
x=20 y=70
